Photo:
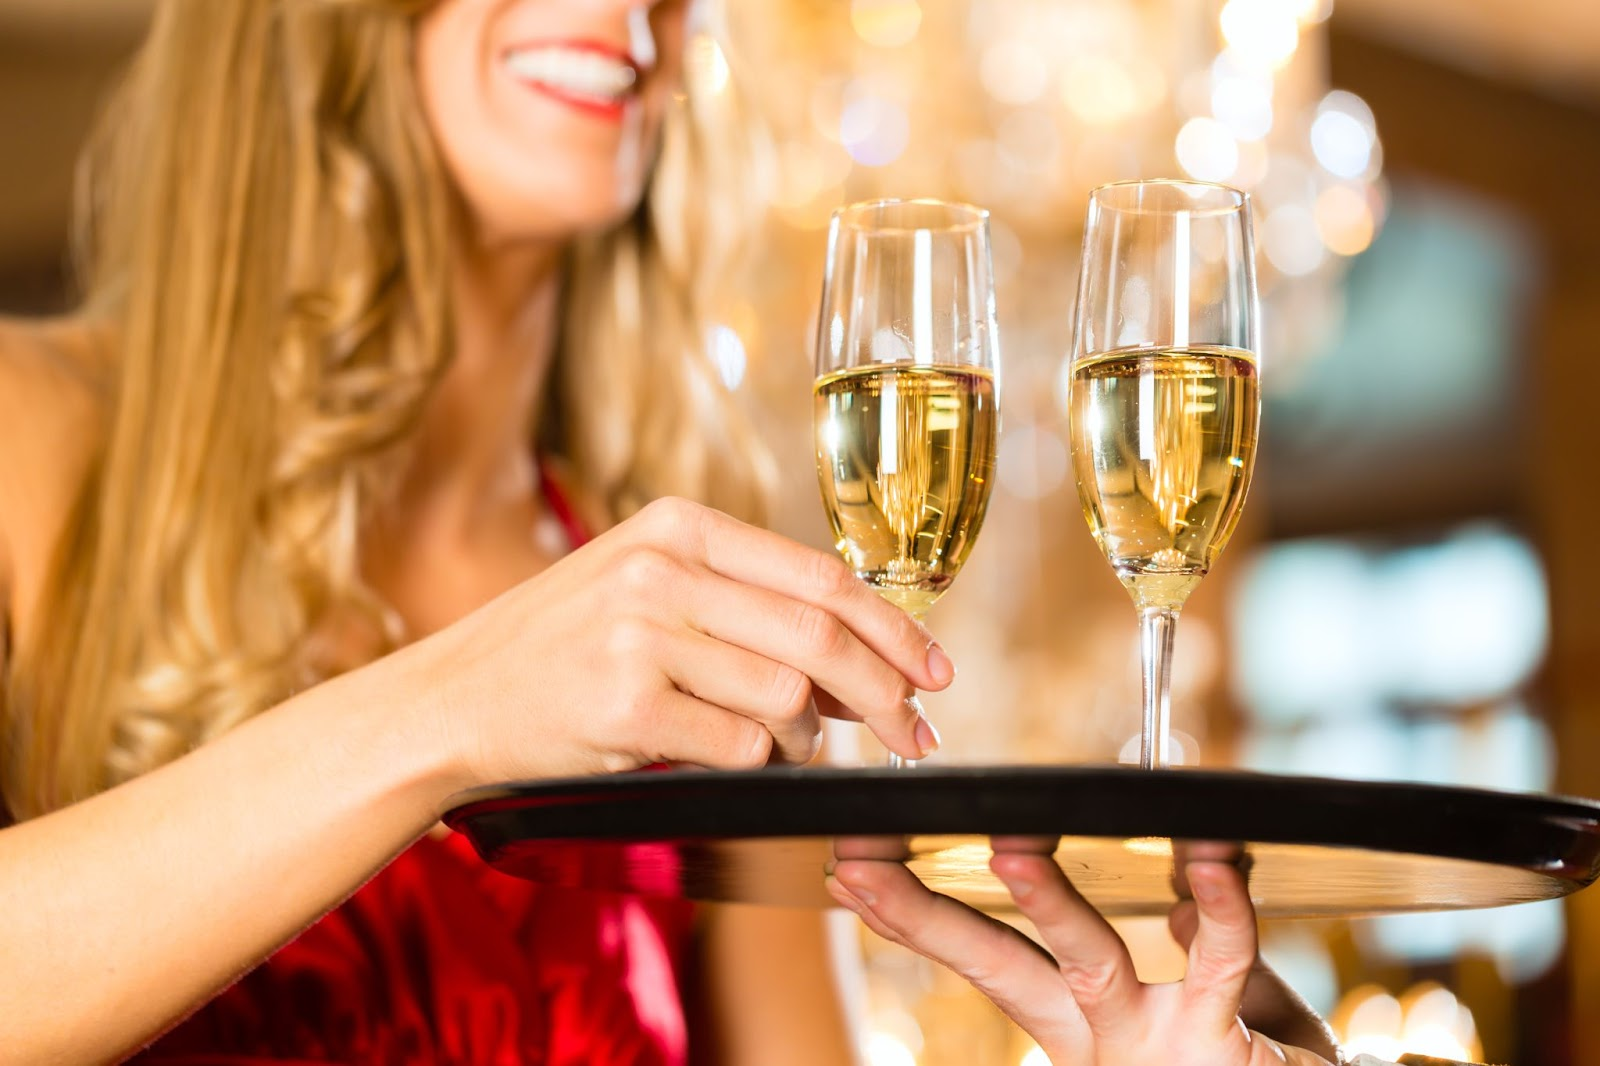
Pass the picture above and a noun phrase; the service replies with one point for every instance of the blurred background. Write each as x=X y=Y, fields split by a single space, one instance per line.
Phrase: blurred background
x=1413 y=594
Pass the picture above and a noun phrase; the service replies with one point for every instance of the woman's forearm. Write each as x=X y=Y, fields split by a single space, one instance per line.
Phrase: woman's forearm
x=125 y=911
x=122 y=912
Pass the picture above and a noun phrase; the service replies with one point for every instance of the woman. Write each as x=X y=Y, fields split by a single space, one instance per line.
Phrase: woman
x=381 y=320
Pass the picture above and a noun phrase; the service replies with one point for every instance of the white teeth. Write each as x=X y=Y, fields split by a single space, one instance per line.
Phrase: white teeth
x=580 y=73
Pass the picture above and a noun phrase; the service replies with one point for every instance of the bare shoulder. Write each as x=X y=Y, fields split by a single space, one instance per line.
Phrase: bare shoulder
x=52 y=413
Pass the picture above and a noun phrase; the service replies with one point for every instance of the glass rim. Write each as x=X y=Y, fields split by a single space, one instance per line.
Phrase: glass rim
x=964 y=217
x=1101 y=196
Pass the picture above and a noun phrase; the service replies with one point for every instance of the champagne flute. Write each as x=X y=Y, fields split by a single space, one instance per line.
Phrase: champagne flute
x=906 y=398
x=1164 y=400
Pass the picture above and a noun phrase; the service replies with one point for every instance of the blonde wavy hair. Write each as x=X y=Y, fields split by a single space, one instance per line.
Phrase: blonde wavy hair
x=267 y=239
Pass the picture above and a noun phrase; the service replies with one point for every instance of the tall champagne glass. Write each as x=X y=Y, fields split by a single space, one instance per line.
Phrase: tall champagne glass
x=1164 y=400
x=906 y=396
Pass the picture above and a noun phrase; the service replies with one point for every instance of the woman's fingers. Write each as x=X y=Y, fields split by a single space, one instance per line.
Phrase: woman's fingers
x=1223 y=950
x=790 y=603
x=816 y=643
x=678 y=728
x=846 y=899
x=1001 y=963
x=1094 y=961
x=762 y=689
x=764 y=559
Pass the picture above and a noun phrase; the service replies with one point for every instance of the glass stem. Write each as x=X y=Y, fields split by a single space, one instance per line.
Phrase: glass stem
x=1156 y=627
x=899 y=762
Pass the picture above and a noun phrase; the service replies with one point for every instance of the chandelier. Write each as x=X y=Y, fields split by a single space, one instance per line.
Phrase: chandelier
x=1025 y=105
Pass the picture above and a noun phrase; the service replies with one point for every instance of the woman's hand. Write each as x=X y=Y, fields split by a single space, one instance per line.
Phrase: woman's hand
x=1082 y=1001
x=682 y=635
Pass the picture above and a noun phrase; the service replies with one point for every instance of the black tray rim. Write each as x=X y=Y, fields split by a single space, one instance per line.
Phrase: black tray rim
x=1554 y=835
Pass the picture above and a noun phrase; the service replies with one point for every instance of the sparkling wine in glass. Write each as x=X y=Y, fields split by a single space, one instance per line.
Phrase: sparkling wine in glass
x=907 y=393
x=1164 y=400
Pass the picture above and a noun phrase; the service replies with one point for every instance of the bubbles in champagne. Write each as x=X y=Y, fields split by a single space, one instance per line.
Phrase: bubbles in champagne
x=1163 y=444
x=905 y=456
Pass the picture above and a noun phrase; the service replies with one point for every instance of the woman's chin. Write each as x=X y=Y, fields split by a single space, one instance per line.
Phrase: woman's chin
x=557 y=219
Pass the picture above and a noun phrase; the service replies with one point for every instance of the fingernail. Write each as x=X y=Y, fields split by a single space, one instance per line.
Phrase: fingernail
x=1205 y=889
x=1017 y=886
x=927 y=736
x=940 y=667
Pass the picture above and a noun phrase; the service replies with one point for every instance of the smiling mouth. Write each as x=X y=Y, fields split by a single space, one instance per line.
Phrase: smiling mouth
x=592 y=78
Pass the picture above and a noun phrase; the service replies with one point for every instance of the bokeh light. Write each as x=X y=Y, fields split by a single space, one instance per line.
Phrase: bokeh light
x=1099 y=90
x=1343 y=136
x=1244 y=104
x=1262 y=33
x=807 y=171
x=1206 y=150
x=1373 y=1025
x=884 y=1049
x=728 y=355
x=1290 y=239
x=1345 y=220
x=708 y=65
x=1029 y=140
x=886 y=23
x=1032 y=463
x=826 y=104
x=1013 y=72
x=1428 y=1020
x=1340 y=144
x=874 y=130
x=1254 y=160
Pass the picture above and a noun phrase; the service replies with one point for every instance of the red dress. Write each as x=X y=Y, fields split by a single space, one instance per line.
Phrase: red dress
x=441 y=960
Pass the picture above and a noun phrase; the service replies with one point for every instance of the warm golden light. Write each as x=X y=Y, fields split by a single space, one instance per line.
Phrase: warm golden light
x=1344 y=220
x=1291 y=241
x=708 y=66
x=1427 y=1020
x=1262 y=33
x=807 y=171
x=1148 y=845
x=966 y=858
x=1099 y=90
x=1253 y=164
x=1206 y=150
x=1014 y=72
x=886 y=23
x=1309 y=10
x=883 y=1049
